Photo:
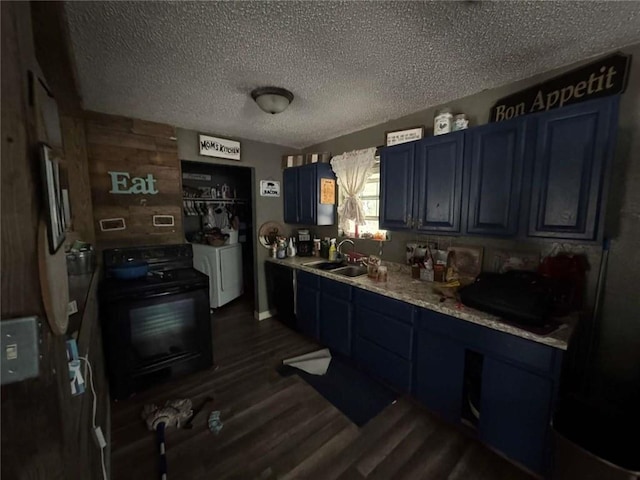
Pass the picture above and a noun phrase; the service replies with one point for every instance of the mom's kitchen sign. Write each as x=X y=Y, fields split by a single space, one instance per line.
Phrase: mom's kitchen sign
x=219 y=147
x=607 y=76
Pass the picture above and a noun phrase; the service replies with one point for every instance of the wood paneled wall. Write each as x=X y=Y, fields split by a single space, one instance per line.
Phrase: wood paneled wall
x=46 y=433
x=119 y=144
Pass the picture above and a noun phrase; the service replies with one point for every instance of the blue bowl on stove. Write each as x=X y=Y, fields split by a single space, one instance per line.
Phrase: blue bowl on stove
x=130 y=270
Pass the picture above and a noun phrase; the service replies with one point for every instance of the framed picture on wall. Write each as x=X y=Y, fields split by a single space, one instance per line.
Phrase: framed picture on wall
x=53 y=198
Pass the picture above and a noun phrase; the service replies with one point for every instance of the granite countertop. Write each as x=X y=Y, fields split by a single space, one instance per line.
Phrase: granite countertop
x=402 y=287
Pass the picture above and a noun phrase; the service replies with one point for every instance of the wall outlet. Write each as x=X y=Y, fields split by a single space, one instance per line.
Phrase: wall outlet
x=19 y=350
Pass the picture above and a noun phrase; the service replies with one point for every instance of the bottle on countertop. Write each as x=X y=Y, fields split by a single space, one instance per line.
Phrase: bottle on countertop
x=333 y=251
x=291 y=249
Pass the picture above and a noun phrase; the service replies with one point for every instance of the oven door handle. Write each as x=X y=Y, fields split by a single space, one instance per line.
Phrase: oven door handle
x=172 y=291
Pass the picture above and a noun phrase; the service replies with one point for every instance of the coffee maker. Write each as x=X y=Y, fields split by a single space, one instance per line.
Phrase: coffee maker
x=304 y=243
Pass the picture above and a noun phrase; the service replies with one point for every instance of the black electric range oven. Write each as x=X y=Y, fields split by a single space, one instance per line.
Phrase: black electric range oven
x=155 y=327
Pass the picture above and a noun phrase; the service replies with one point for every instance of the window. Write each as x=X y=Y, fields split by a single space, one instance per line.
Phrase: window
x=370 y=197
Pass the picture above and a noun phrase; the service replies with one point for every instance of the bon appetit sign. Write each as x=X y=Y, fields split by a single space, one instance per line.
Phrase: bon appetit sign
x=219 y=147
x=607 y=76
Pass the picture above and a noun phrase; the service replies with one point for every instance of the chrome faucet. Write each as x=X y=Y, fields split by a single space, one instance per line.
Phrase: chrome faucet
x=346 y=240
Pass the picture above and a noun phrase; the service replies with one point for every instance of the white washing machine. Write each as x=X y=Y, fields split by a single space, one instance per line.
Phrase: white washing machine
x=223 y=266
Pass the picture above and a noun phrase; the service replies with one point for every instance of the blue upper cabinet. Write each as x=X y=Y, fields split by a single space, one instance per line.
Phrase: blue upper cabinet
x=438 y=183
x=542 y=175
x=396 y=186
x=301 y=195
x=573 y=150
x=290 y=195
x=306 y=198
x=494 y=165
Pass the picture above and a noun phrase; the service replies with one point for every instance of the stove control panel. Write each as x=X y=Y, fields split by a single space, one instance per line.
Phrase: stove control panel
x=152 y=254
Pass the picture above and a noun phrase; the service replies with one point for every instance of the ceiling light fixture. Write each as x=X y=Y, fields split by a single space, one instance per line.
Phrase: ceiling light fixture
x=272 y=99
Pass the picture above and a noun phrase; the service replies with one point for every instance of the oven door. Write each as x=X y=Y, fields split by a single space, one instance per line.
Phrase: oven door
x=157 y=336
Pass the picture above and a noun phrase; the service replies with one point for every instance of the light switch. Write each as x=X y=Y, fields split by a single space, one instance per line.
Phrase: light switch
x=20 y=349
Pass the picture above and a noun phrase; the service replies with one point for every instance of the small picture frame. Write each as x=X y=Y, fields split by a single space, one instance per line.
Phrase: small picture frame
x=396 y=137
x=56 y=225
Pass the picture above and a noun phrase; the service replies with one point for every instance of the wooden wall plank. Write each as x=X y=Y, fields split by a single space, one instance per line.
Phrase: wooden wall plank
x=103 y=199
x=54 y=54
x=20 y=195
x=130 y=125
x=107 y=153
x=76 y=161
x=160 y=130
x=97 y=136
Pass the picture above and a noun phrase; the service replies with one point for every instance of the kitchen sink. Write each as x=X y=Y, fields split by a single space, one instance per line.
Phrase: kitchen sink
x=324 y=265
x=351 y=271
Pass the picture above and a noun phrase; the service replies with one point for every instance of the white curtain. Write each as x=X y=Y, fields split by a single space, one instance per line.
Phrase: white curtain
x=353 y=169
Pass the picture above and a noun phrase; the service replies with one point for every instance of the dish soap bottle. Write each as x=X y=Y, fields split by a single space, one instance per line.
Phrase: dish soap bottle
x=332 y=250
x=291 y=249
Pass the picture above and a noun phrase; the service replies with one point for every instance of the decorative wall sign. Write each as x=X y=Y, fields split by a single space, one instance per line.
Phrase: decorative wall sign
x=196 y=176
x=607 y=76
x=327 y=191
x=219 y=147
x=402 y=136
x=269 y=188
x=122 y=183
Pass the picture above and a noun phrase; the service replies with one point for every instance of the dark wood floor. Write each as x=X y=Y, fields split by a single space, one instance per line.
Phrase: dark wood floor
x=277 y=427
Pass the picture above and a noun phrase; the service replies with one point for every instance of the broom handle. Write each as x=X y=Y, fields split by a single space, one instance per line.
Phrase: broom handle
x=162 y=450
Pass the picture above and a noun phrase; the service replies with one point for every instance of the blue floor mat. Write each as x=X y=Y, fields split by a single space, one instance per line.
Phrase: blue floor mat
x=351 y=391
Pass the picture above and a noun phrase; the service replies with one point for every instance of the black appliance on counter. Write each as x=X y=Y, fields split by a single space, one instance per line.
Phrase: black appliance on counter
x=519 y=296
x=158 y=326
x=304 y=243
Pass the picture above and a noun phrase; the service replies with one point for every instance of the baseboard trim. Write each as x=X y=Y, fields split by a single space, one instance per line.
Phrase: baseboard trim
x=264 y=315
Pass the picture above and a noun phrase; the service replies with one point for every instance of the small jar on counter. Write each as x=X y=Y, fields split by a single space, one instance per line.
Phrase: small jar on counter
x=382 y=273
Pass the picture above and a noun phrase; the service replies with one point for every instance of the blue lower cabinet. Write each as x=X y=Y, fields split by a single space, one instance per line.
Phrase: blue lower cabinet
x=387 y=332
x=382 y=364
x=335 y=323
x=383 y=332
x=308 y=304
x=439 y=374
x=515 y=413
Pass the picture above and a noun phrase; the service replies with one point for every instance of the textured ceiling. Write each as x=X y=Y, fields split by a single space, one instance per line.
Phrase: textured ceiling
x=350 y=65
